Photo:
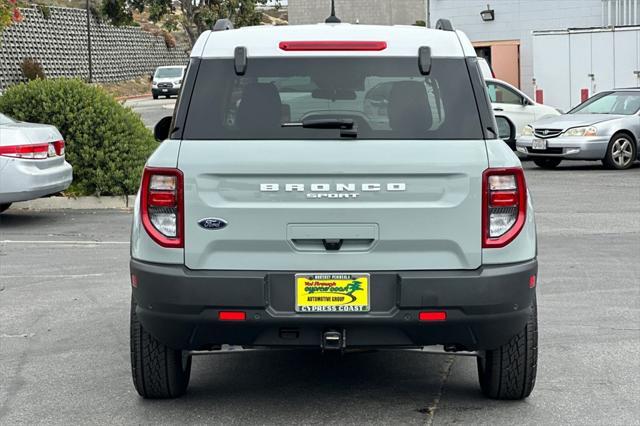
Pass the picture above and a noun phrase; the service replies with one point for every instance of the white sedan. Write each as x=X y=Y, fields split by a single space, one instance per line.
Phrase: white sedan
x=32 y=161
x=513 y=104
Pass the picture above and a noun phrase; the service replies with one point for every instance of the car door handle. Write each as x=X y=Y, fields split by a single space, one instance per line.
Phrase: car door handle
x=498 y=109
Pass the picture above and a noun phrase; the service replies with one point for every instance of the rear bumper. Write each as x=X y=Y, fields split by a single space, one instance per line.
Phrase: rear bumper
x=24 y=180
x=484 y=307
x=165 y=91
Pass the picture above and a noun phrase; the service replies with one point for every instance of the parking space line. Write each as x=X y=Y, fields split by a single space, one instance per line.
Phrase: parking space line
x=78 y=243
x=53 y=276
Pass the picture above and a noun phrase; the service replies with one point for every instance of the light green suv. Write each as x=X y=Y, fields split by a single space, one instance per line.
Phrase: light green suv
x=333 y=186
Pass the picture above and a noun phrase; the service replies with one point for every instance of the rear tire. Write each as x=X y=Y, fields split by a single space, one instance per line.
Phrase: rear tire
x=4 y=207
x=158 y=370
x=547 y=163
x=509 y=372
x=621 y=152
x=155 y=96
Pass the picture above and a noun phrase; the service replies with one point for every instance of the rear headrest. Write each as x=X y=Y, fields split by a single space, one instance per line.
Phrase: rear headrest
x=260 y=107
x=409 y=110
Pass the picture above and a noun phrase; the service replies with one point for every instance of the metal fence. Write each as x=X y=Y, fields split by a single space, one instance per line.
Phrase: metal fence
x=59 y=43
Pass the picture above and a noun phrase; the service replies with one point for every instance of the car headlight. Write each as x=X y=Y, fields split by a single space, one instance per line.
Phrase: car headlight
x=581 y=131
x=527 y=131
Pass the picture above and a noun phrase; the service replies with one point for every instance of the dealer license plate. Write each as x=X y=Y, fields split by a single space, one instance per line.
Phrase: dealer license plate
x=332 y=292
x=165 y=90
x=539 y=144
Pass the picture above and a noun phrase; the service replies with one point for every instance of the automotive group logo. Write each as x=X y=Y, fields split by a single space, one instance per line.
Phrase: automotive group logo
x=332 y=292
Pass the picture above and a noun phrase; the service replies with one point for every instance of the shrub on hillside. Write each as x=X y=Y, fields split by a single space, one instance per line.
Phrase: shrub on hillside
x=32 y=69
x=106 y=143
x=169 y=39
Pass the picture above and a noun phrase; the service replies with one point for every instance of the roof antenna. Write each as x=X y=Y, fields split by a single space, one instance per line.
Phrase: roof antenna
x=333 y=19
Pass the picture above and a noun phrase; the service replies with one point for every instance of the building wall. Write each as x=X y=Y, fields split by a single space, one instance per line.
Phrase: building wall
x=383 y=12
x=515 y=20
x=59 y=43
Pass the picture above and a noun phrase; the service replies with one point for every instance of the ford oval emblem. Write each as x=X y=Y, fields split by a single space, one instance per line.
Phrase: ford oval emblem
x=212 y=223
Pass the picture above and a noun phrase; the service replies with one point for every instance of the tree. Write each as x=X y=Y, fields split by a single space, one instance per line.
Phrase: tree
x=9 y=13
x=195 y=16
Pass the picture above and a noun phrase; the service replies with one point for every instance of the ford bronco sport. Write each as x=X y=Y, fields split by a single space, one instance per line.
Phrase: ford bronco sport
x=333 y=186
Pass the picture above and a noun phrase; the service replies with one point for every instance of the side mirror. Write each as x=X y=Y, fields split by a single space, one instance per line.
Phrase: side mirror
x=162 y=128
x=506 y=130
x=524 y=101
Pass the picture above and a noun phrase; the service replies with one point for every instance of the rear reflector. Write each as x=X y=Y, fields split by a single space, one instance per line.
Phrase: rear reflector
x=532 y=281
x=232 y=316
x=301 y=46
x=432 y=316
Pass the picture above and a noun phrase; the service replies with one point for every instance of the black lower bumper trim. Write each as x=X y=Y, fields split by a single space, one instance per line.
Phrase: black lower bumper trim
x=165 y=92
x=485 y=308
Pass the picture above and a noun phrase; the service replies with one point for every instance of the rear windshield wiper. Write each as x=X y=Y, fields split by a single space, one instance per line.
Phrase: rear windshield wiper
x=347 y=126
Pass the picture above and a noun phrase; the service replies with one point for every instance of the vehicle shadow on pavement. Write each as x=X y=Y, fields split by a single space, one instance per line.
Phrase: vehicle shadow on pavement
x=18 y=219
x=297 y=386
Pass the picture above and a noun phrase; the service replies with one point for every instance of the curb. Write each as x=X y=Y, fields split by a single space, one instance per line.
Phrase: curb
x=79 y=203
x=127 y=98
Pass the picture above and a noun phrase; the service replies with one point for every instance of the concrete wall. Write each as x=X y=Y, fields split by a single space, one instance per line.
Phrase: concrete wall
x=515 y=20
x=384 y=12
x=59 y=43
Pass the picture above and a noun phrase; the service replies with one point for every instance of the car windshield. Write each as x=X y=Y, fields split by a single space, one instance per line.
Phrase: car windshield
x=169 y=72
x=385 y=98
x=622 y=103
x=6 y=120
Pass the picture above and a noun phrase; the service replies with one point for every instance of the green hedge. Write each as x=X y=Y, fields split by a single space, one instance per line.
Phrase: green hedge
x=106 y=143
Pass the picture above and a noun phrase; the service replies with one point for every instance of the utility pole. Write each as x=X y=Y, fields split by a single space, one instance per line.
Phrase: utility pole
x=89 y=42
x=427 y=5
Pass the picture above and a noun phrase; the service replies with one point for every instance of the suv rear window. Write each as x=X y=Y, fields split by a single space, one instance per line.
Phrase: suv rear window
x=387 y=98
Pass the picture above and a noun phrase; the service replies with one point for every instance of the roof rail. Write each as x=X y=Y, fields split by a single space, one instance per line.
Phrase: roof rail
x=444 y=25
x=223 y=25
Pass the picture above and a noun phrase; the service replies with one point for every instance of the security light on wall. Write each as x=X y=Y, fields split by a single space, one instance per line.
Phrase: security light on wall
x=488 y=14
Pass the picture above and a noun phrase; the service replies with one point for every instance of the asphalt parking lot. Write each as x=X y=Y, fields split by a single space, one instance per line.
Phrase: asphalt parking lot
x=64 y=308
x=152 y=110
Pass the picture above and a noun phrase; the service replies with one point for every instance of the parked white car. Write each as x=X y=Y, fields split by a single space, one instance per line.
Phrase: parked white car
x=513 y=104
x=485 y=69
x=32 y=161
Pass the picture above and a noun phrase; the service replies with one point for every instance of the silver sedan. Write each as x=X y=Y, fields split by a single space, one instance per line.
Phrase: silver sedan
x=605 y=127
x=32 y=161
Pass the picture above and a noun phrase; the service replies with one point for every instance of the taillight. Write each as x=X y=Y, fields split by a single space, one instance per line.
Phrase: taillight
x=504 y=206
x=58 y=147
x=31 y=152
x=162 y=206
x=38 y=151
